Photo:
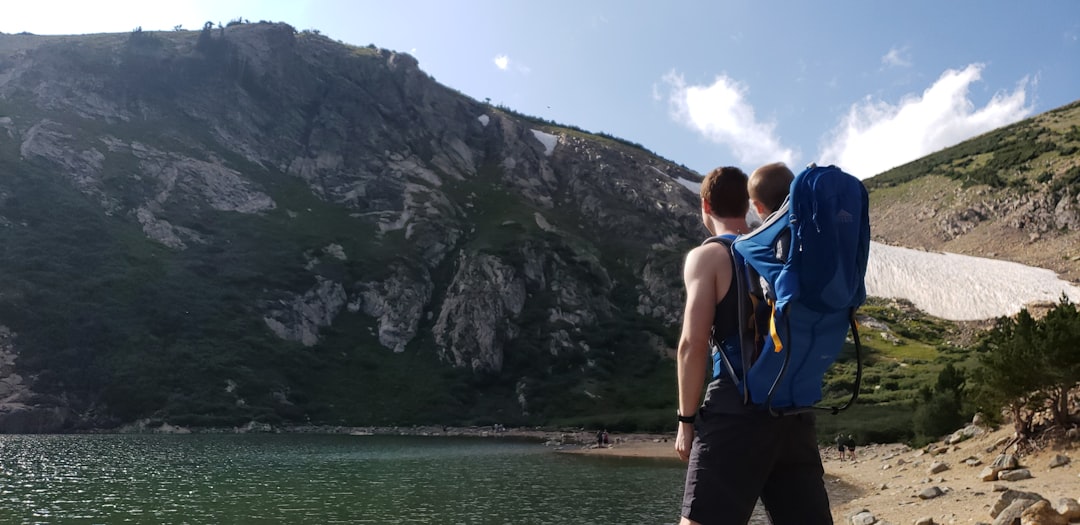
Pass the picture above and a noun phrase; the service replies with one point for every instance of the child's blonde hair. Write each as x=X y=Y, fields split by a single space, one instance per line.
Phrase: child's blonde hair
x=769 y=185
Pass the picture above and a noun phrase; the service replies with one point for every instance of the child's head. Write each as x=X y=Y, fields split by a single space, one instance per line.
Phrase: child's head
x=768 y=186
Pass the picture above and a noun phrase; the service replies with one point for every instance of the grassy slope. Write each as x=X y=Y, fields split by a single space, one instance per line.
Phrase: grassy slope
x=911 y=204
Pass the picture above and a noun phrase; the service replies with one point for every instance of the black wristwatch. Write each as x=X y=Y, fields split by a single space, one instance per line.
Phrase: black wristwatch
x=685 y=419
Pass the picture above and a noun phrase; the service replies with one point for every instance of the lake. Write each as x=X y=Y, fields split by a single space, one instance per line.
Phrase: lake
x=322 y=479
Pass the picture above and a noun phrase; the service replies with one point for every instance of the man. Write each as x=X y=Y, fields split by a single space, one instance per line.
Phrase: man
x=736 y=454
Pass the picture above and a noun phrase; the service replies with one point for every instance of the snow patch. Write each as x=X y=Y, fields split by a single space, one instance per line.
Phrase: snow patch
x=484 y=119
x=692 y=185
x=960 y=287
x=547 y=139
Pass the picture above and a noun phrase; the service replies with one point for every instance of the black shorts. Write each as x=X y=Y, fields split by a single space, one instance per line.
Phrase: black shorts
x=737 y=457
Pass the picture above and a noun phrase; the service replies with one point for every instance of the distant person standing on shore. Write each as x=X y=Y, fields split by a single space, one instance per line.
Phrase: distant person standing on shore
x=840 y=445
x=736 y=453
x=849 y=442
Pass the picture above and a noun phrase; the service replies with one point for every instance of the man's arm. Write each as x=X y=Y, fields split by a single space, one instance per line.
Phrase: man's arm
x=707 y=275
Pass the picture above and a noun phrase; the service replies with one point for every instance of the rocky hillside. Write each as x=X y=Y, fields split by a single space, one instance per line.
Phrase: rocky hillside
x=250 y=223
x=1013 y=194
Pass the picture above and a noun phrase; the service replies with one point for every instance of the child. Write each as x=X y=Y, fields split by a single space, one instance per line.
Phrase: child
x=768 y=186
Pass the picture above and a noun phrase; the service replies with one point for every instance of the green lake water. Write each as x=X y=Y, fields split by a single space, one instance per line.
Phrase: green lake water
x=323 y=479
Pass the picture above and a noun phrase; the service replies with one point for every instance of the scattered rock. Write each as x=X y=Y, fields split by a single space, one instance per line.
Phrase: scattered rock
x=989 y=474
x=927 y=520
x=938 y=466
x=863 y=518
x=1014 y=475
x=1059 y=460
x=931 y=493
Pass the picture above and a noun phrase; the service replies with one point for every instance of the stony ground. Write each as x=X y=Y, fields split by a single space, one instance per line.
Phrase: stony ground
x=888 y=479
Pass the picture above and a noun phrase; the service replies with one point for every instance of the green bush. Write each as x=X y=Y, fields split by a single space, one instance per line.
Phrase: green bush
x=935 y=417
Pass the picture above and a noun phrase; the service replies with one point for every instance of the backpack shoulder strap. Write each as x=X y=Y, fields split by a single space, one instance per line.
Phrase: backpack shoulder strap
x=721 y=361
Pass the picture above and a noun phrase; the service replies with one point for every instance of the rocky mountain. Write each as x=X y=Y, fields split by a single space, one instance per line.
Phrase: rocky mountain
x=1013 y=193
x=251 y=223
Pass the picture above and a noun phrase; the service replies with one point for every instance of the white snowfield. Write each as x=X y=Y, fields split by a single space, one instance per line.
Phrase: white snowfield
x=960 y=287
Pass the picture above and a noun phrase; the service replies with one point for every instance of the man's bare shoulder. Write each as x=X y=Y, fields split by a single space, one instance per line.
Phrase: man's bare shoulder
x=713 y=252
x=706 y=260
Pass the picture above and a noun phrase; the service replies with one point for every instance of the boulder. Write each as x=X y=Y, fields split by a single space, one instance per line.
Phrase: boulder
x=931 y=493
x=1059 y=460
x=1010 y=515
x=1008 y=497
x=965 y=433
x=1041 y=513
x=1069 y=508
x=989 y=474
x=938 y=466
x=1006 y=462
x=925 y=520
x=1014 y=475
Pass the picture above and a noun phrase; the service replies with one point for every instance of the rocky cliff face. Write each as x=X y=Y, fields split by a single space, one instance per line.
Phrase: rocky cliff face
x=254 y=184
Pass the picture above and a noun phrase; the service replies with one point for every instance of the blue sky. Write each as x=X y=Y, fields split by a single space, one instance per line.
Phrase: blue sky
x=863 y=84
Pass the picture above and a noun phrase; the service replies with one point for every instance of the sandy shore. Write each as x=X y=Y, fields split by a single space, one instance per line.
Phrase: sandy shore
x=888 y=479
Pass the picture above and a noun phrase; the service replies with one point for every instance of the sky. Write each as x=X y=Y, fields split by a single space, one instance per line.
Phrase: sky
x=863 y=84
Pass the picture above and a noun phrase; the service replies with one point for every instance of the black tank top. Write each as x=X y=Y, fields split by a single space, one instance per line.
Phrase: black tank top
x=725 y=329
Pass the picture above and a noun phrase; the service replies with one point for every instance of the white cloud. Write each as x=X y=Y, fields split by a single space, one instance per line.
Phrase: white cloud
x=721 y=114
x=897 y=57
x=504 y=63
x=875 y=136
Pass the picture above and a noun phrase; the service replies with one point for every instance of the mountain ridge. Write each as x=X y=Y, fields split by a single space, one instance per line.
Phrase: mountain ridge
x=255 y=221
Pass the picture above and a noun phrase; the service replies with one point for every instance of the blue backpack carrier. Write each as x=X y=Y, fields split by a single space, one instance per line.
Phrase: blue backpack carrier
x=800 y=280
